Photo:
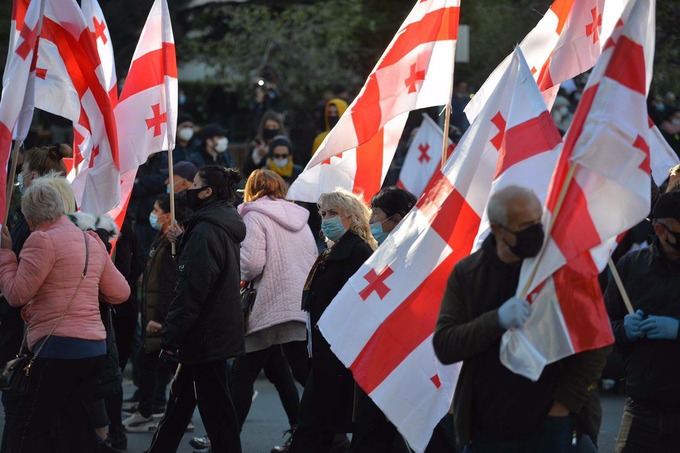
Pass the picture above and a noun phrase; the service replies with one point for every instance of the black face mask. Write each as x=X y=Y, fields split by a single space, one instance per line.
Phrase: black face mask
x=333 y=120
x=193 y=201
x=529 y=241
x=270 y=133
x=676 y=246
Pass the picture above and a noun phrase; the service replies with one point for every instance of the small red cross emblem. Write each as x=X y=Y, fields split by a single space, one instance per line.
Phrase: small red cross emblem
x=500 y=123
x=30 y=38
x=424 y=157
x=413 y=78
x=157 y=120
x=642 y=145
x=99 y=28
x=95 y=153
x=328 y=161
x=592 y=28
x=376 y=282
x=41 y=73
x=436 y=381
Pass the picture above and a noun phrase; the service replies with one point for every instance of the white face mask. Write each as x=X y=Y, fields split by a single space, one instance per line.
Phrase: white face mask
x=281 y=162
x=221 y=144
x=185 y=134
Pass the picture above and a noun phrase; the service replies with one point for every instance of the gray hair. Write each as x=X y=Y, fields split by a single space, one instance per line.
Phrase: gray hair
x=42 y=203
x=62 y=185
x=497 y=209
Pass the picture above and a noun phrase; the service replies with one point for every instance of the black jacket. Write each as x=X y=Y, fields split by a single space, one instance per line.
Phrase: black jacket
x=205 y=322
x=158 y=288
x=652 y=367
x=468 y=330
x=332 y=383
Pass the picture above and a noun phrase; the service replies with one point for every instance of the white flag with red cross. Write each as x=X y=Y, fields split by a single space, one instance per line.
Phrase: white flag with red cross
x=381 y=323
x=416 y=71
x=423 y=157
x=16 y=104
x=600 y=189
x=72 y=82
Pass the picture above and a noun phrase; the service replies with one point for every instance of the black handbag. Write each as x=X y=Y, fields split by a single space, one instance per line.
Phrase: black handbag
x=16 y=374
x=248 y=294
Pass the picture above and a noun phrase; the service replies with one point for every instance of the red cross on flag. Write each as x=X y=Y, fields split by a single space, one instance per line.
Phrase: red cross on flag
x=599 y=190
x=16 y=104
x=416 y=71
x=423 y=157
x=76 y=86
x=147 y=110
x=381 y=323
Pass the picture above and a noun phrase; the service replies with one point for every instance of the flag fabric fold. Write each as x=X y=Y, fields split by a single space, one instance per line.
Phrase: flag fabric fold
x=381 y=323
x=600 y=189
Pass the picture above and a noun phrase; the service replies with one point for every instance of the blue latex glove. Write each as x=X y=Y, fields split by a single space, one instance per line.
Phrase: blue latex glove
x=631 y=324
x=513 y=313
x=660 y=327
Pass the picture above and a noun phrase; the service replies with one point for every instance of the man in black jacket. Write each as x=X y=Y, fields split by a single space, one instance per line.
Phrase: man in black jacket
x=204 y=325
x=648 y=338
x=494 y=409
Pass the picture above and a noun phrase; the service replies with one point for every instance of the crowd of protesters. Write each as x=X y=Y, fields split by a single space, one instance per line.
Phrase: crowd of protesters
x=177 y=290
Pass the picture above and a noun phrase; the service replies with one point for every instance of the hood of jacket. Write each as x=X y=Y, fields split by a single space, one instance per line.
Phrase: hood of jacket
x=339 y=104
x=222 y=214
x=287 y=214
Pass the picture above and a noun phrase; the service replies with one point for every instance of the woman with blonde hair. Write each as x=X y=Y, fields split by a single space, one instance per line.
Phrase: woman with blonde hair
x=326 y=406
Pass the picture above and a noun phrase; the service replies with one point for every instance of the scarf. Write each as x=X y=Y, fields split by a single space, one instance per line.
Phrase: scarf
x=284 y=172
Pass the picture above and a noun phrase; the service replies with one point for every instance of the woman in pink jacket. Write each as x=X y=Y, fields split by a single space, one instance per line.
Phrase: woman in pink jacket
x=47 y=281
x=277 y=254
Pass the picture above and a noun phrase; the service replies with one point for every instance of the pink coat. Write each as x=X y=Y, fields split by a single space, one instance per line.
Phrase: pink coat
x=47 y=274
x=278 y=252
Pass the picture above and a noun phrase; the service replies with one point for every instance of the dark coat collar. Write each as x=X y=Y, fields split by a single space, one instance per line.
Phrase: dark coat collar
x=343 y=248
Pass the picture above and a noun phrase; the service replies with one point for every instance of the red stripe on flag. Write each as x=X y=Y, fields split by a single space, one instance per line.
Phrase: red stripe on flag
x=627 y=65
x=526 y=140
x=545 y=80
x=19 y=8
x=438 y=25
x=366 y=113
x=368 y=177
x=562 y=9
x=5 y=151
x=150 y=70
x=574 y=231
x=580 y=298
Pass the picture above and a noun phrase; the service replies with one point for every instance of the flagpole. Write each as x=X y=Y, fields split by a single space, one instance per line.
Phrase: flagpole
x=445 y=141
x=10 y=180
x=619 y=284
x=553 y=218
x=171 y=176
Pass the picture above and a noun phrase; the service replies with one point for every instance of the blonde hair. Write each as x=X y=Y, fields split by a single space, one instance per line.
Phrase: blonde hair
x=351 y=206
x=42 y=203
x=62 y=186
x=264 y=183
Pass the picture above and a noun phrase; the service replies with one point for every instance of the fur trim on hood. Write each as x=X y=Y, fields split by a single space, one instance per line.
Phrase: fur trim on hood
x=87 y=222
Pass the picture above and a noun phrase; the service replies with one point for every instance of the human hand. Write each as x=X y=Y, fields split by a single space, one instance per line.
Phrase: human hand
x=660 y=328
x=153 y=327
x=173 y=232
x=513 y=313
x=631 y=325
x=6 y=240
x=558 y=410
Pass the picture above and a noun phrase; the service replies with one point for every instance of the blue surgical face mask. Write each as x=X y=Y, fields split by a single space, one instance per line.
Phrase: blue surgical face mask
x=167 y=188
x=378 y=233
x=332 y=228
x=153 y=221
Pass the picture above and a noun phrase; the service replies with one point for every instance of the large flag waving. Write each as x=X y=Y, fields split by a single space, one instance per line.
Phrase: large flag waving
x=381 y=323
x=600 y=188
x=416 y=71
x=16 y=104
x=423 y=157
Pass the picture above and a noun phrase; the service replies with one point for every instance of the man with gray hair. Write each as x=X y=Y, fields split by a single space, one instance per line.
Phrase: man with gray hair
x=494 y=409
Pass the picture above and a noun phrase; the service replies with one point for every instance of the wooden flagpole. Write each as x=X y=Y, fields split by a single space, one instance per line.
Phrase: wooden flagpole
x=171 y=176
x=445 y=141
x=553 y=218
x=10 y=180
x=619 y=284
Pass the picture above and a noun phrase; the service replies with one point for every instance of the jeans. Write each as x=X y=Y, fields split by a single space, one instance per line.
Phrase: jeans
x=205 y=385
x=154 y=377
x=648 y=429
x=555 y=436
x=59 y=389
x=276 y=368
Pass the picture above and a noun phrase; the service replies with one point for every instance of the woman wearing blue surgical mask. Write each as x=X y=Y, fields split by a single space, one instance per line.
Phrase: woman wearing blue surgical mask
x=326 y=405
x=388 y=207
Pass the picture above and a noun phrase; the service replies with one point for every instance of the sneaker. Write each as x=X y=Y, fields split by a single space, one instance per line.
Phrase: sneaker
x=132 y=401
x=190 y=427
x=286 y=443
x=137 y=423
x=200 y=443
x=157 y=411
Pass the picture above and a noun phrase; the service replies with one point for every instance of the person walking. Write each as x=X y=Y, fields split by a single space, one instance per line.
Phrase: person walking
x=204 y=324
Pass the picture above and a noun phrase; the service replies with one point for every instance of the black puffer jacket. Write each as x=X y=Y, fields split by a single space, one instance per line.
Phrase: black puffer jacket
x=204 y=322
x=652 y=282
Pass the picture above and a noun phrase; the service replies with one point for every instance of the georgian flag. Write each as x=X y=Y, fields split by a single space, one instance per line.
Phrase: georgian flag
x=381 y=323
x=416 y=71
x=599 y=190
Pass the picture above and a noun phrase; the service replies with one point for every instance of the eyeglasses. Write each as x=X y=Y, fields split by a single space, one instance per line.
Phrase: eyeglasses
x=281 y=156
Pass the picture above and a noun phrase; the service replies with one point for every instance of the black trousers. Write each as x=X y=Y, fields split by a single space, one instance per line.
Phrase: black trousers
x=277 y=369
x=646 y=429
x=59 y=389
x=154 y=376
x=205 y=385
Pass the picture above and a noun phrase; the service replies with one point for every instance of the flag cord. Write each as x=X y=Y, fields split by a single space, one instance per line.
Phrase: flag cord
x=556 y=212
x=171 y=180
x=10 y=180
x=619 y=284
